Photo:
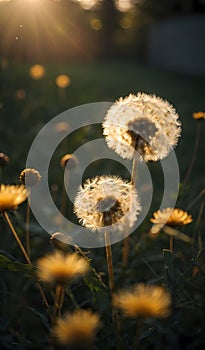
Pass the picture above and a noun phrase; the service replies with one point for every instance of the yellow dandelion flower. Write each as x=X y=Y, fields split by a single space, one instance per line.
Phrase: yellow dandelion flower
x=77 y=329
x=29 y=177
x=61 y=268
x=199 y=115
x=143 y=123
x=107 y=200
x=37 y=71
x=69 y=160
x=144 y=301
x=171 y=217
x=63 y=81
x=11 y=196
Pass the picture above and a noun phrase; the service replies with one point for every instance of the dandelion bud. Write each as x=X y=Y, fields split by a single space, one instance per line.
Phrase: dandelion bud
x=4 y=160
x=69 y=160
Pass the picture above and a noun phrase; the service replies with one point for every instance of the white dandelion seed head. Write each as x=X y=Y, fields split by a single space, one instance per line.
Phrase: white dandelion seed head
x=143 y=123
x=107 y=201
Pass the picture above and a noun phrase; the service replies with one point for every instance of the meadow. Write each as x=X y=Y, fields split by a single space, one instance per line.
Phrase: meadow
x=26 y=104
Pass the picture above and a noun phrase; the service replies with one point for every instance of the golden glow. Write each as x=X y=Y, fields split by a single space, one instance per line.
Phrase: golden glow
x=96 y=24
x=37 y=72
x=124 y=5
x=63 y=81
x=87 y=4
x=39 y=28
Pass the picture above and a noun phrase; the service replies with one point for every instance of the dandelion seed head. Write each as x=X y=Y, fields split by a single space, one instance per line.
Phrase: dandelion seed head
x=11 y=196
x=78 y=328
x=29 y=177
x=107 y=200
x=144 y=301
x=60 y=267
x=143 y=123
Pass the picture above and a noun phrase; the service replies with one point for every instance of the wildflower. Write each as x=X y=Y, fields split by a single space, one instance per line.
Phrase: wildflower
x=69 y=160
x=144 y=301
x=143 y=123
x=4 y=160
x=107 y=200
x=77 y=329
x=199 y=115
x=171 y=217
x=58 y=267
x=63 y=81
x=37 y=71
x=11 y=196
x=30 y=177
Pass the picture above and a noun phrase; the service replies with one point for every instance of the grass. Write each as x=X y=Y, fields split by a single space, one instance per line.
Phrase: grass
x=182 y=273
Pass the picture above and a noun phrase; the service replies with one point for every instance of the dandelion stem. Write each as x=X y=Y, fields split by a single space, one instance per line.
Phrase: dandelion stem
x=137 y=335
x=134 y=170
x=64 y=195
x=71 y=295
x=200 y=245
x=59 y=298
x=115 y=317
x=126 y=245
x=201 y=194
x=28 y=241
x=171 y=244
x=198 y=128
x=109 y=261
x=17 y=238
x=25 y=254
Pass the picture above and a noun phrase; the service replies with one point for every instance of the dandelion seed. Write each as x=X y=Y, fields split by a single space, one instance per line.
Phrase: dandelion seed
x=144 y=301
x=11 y=196
x=78 y=329
x=29 y=177
x=143 y=123
x=61 y=268
x=107 y=200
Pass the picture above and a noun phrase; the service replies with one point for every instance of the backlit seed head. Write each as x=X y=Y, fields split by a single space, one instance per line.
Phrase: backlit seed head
x=107 y=201
x=143 y=123
x=30 y=177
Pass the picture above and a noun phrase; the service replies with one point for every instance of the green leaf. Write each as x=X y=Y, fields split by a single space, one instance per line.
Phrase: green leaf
x=13 y=265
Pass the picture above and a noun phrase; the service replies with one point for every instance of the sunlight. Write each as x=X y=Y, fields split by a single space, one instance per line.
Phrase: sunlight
x=124 y=5
x=87 y=4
